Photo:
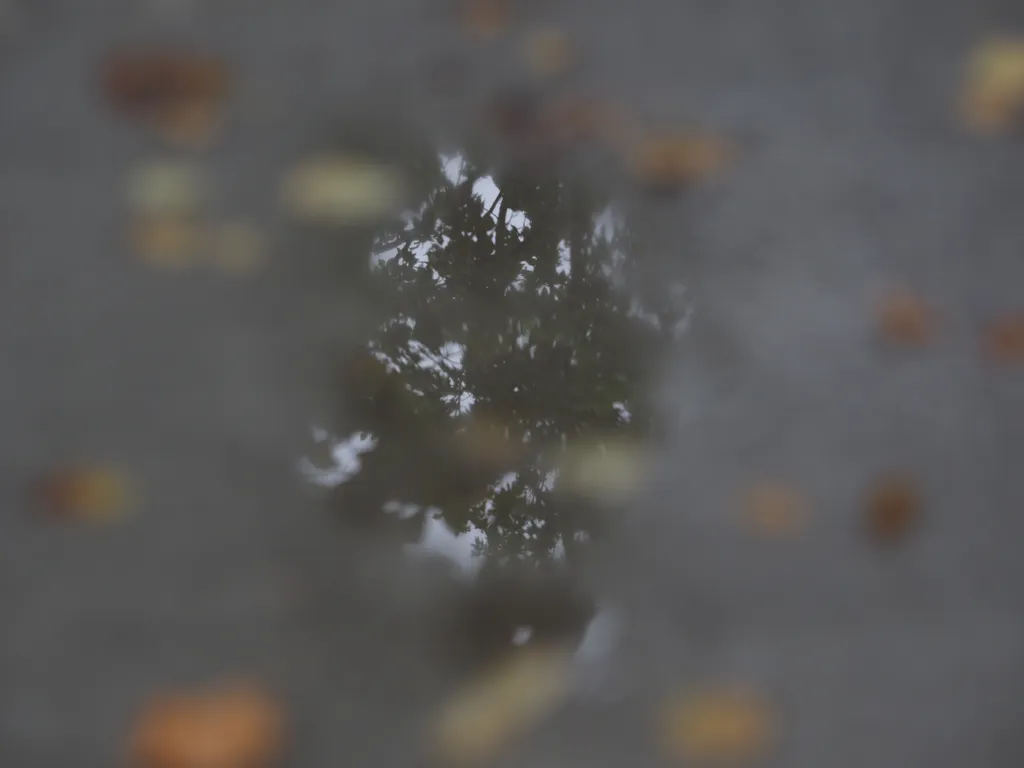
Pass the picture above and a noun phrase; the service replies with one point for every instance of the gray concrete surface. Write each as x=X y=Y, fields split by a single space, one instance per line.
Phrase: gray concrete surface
x=852 y=175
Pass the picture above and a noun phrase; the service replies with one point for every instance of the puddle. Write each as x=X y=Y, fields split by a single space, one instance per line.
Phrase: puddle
x=498 y=416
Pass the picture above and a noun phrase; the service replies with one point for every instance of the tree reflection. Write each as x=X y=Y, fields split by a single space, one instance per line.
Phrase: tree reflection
x=511 y=332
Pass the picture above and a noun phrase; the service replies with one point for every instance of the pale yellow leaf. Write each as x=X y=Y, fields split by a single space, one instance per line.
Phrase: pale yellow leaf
x=238 y=249
x=342 y=190
x=548 y=52
x=167 y=189
x=605 y=470
x=502 y=705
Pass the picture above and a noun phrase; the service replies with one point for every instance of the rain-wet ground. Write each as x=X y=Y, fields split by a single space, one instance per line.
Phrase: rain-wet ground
x=398 y=354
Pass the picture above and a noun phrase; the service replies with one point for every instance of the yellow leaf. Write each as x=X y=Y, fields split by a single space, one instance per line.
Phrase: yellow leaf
x=610 y=470
x=167 y=189
x=342 y=190
x=993 y=92
x=718 y=726
x=239 y=249
x=503 y=704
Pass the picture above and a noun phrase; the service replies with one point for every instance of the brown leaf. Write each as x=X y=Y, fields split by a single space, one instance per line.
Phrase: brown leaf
x=191 y=126
x=775 y=509
x=580 y=120
x=548 y=53
x=893 y=509
x=226 y=727
x=723 y=725
x=153 y=84
x=482 y=442
x=84 y=493
x=484 y=19
x=503 y=703
x=516 y=113
x=1004 y=339
x=992 y=96
x=906 y=319
x=166 y=242
x=666 y=163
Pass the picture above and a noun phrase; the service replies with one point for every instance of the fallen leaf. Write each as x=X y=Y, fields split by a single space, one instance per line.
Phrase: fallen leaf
x=775 y=509
x=342 y=190
x=225 y=727
x=502 y=704
x=153 y=84
x=167 y=242
x=992 y=97
x=906 y=319
x=666 y=163
x=446 y=73
x=484 y=19
x=238 y=249
x=1004 y=339
x=579 y=120
x=725 y=726
x=548 y=53
x=893 y=509
x=604 y=470
x=167 y=188
x=516 y=113
x=482 y=442
x=192 y=126
x=84 y=493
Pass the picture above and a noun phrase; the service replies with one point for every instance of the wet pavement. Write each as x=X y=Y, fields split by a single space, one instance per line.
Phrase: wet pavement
x=542 y=390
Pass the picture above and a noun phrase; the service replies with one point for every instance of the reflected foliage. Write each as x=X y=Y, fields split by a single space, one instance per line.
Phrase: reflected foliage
x=509 y=331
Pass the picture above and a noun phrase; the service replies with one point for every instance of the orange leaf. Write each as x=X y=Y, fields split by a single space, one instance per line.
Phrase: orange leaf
x=775 y=509
x=726 y=725
x=84 y=493
x=227 y=727
x=669 y=162
x=906 y=319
